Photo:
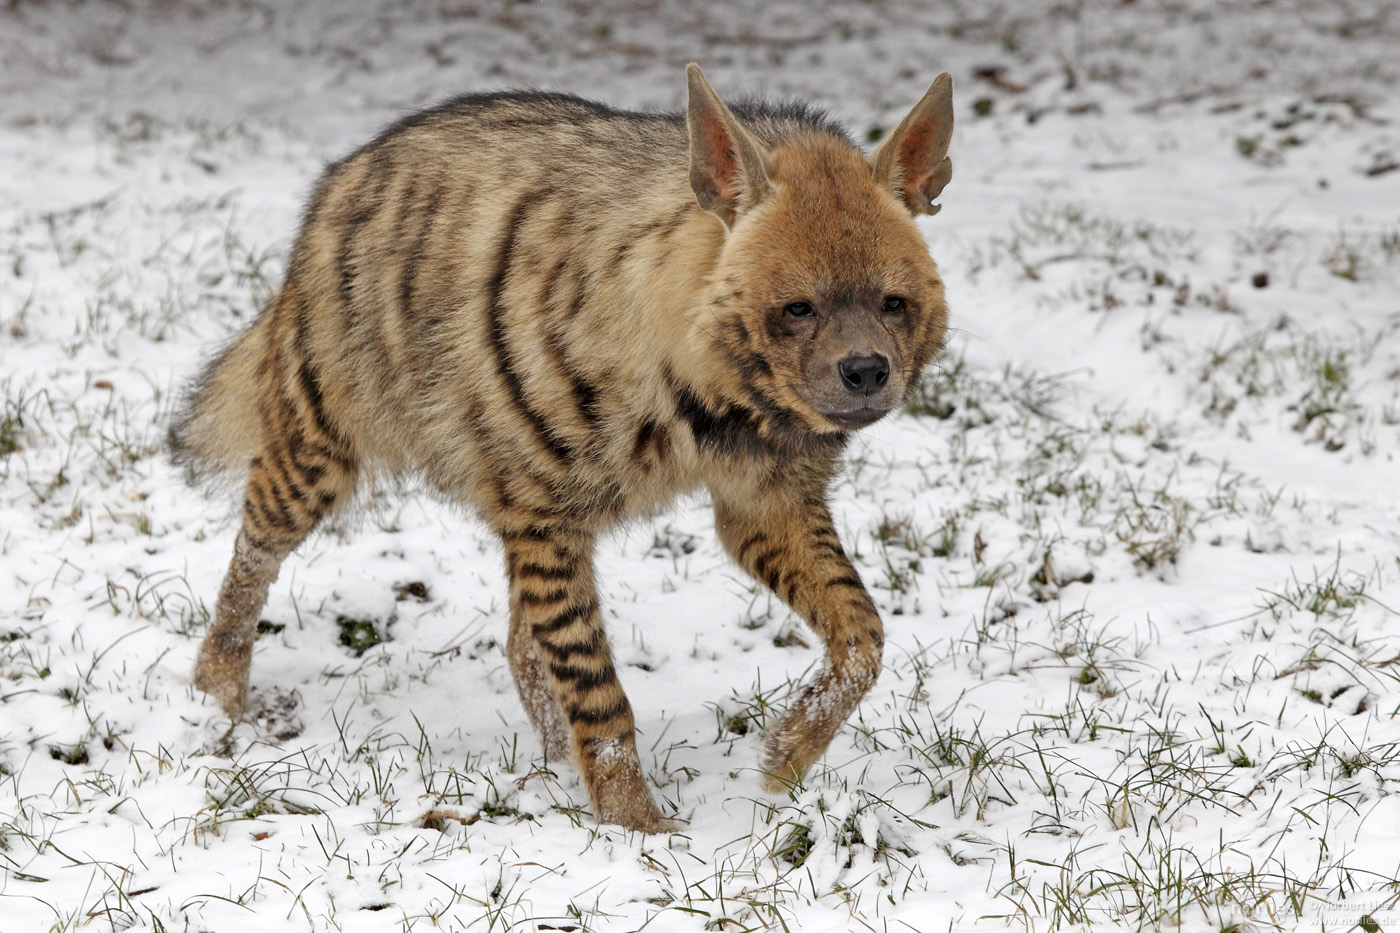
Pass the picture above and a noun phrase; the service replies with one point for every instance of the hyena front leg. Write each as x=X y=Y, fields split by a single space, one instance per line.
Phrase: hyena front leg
x=532 y=678
x=564 y=673
x=292 y=484
x=786 y=540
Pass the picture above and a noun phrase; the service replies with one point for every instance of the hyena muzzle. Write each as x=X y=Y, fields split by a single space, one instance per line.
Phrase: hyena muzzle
x=563 y=316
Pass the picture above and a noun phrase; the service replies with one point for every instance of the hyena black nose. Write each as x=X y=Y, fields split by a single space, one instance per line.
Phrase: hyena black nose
x=864 y=373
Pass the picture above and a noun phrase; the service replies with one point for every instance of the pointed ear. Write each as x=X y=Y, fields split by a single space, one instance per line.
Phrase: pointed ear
x=726 y=163
x=913 y=162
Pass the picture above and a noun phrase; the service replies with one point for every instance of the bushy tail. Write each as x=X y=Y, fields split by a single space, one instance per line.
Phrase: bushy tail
x=217 y=427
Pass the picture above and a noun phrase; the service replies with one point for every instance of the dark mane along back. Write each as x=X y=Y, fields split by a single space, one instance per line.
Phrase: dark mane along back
x=770 y=120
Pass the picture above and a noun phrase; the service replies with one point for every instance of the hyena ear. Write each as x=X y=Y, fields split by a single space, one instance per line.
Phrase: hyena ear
x=726 y=163
x=913 y=162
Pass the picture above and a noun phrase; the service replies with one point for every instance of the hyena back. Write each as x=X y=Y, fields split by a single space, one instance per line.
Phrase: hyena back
x=563 y=316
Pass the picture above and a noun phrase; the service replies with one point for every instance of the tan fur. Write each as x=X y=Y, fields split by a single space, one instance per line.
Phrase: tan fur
x=564 y=316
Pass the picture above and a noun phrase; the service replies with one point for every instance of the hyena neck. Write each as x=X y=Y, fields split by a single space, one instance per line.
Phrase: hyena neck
x=730 y=420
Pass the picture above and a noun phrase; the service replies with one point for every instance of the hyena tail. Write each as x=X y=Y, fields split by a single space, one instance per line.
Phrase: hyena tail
x=218 y=427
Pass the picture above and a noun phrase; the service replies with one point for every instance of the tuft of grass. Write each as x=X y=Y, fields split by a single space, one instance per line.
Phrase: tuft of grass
x=1332 y=593
x=1154 y=525
x=1050 y=234
x=359 y=635
x=1312 y=376
x=1345 y=259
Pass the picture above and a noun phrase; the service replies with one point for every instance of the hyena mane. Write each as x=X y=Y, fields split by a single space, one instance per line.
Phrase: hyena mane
x=562 y=316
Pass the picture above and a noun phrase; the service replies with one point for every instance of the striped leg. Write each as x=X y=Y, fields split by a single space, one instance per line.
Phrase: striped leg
x=291 y=487
x=786 y=540
x=532 y=680
x=558 y=639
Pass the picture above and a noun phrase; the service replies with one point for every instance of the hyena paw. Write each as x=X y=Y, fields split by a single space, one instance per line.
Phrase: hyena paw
x=779 y=777
x=649 y=820
x=623 y=799
x=785 y=760
x=225 y=686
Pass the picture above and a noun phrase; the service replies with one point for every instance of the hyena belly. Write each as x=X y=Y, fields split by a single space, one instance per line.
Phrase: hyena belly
x=563 y=316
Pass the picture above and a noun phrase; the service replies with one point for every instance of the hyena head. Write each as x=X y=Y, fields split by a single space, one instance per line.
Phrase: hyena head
x=825 y=291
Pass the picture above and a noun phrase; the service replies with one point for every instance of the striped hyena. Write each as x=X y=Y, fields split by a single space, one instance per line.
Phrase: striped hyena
x=563 y=316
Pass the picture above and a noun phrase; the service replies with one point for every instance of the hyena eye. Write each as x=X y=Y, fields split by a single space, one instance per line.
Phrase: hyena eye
x=893 y=304
x=799 y=309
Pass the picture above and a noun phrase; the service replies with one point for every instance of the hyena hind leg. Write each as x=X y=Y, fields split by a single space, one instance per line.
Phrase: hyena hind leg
x=289 y=491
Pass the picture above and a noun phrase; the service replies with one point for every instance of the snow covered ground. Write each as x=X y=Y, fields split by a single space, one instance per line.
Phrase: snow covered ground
x=1137 y=542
